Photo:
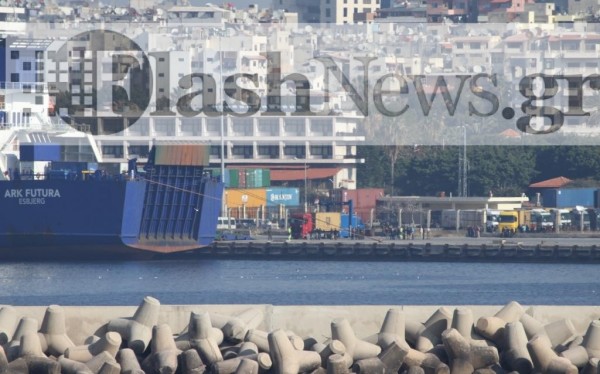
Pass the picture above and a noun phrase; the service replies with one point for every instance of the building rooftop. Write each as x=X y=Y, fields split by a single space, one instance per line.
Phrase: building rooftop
x=557 y=182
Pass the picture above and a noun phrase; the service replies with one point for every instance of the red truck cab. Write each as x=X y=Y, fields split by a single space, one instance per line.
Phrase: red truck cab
x=301 y=225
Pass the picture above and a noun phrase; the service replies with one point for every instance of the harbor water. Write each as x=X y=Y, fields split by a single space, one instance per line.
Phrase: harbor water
x=195 y=281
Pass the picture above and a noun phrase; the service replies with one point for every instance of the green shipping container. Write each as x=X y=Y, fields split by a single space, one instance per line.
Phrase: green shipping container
x=266 y=178
x=234 y=180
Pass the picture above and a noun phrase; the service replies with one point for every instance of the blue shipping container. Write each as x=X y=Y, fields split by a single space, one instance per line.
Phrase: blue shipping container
x=568 y=197
x=283 y=196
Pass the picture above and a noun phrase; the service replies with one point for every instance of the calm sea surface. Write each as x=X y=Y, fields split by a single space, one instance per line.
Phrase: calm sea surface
x=296 y=282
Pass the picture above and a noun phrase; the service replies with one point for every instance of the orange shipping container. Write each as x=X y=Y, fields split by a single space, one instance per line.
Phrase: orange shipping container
x=251 y=197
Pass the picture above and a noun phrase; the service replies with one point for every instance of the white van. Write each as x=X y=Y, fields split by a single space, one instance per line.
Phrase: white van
x=222 y=224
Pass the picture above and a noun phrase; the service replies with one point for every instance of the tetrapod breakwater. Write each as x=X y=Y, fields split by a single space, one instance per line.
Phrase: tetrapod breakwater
x=155 y=338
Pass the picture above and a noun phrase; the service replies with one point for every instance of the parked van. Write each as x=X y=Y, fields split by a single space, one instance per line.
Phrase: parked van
x=224 y=223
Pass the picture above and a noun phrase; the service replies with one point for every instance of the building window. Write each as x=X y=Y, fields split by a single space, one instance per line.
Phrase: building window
x=14 y=55
x=345 y=12
x=39 y=65
x=39 y=100
x=26 y=88
x=327 y=12
x=39 y=55
x=297 y=151
x=14 y=77
x=26 y=66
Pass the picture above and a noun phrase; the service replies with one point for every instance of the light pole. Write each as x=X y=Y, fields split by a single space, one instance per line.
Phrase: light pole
x=462 y=166
x=305 y=186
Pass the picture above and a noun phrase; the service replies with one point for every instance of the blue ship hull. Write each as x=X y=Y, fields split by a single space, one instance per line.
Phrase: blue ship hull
x=58 y=219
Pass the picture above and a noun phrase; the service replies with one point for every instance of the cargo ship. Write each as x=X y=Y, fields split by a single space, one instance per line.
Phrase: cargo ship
x=71 y=211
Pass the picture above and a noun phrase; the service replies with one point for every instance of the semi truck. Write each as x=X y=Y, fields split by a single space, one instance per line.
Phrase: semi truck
x=541 y=220
x=508 y=222
x=325 y=224
x=562 y=217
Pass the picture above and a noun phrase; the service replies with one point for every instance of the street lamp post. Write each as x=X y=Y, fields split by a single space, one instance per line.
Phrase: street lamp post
x=305 y=187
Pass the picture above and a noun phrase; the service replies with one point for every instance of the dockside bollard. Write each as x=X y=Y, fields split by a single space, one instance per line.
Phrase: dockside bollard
x=286 y=359
x=110 y=342
x=137 y=331
x=53 y=332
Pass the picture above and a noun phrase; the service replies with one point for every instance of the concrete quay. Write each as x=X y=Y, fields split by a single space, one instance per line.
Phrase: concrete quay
x=155 y=338
x=573 y=250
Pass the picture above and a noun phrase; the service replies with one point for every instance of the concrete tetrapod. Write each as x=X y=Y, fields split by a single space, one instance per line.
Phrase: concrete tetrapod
x=392 y=330
x=69 y=366
x=8 y=323
x=110 y=342
x=356 y=349
x=545 y=360
x=465 y=358
x=230 y=366
x=247 y=366
x=97 y=362
x=492 y=328
x=517 y=356
x=207 y=347
x=137 y=330
x=26 y=326
x=128 y=361
x=53 y=332
x=164 y=352
x=191 y=363
x=197 y=329
x=334 y=347
x=288 y=360
x=463 y=322
x=236 y=328
x=589 y=348
x=560 y=331
x=258 y=337
x=430 y=336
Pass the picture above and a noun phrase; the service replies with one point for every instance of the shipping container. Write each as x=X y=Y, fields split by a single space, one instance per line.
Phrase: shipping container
x=568 y=197
x=282 y=196
x=250 y=197
x=467 y=218
x=328 y=221
x=182 y=154
x=234 y=178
